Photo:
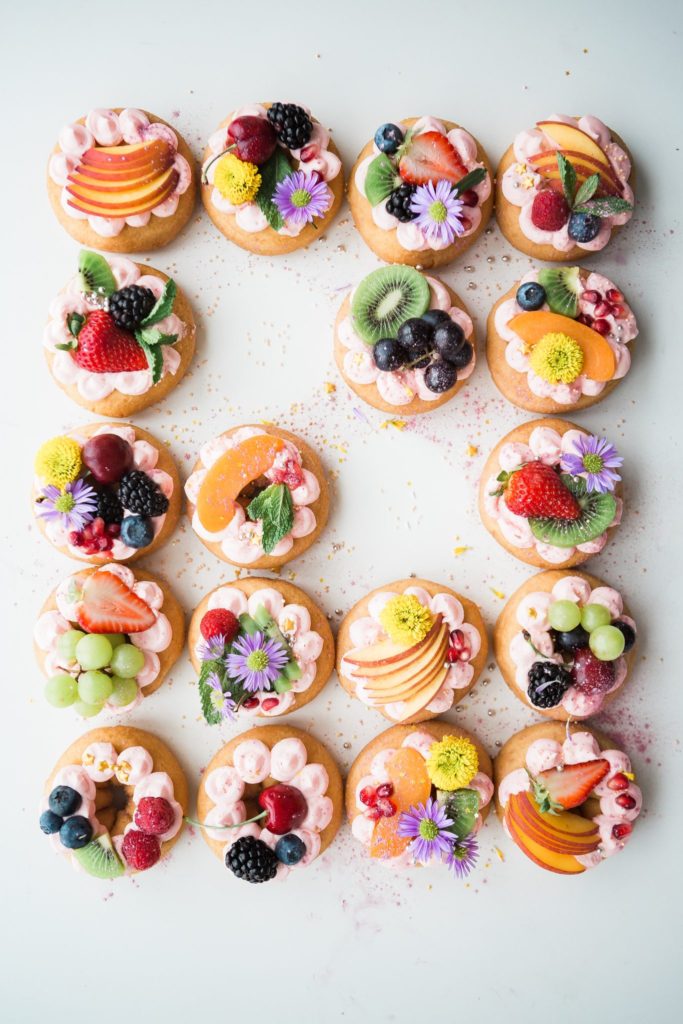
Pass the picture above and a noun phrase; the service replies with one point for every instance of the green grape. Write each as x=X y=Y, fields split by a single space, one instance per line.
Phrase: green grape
x=94 y=687
x=61 y=690
x=87 y=710
x=127 y=661
x=594 y=615
x=125 y=691
x=93 y=651
x=66 y=644
x=115 y=639
x=606 y=643
x=564 y=616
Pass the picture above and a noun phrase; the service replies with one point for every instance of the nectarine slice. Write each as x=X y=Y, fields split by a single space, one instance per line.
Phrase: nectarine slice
x=408 y=774
x=379 y=659
x=568 y=136
x=599 y=361
x=230 y=474
x=560 y=863
x=563 y=833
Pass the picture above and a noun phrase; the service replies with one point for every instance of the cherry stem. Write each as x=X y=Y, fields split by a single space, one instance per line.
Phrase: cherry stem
x=203 y=824
x=205 y=179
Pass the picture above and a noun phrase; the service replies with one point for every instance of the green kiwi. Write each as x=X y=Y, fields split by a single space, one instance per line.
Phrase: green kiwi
x=95 y=274
x=381 y=179
x=99 y=858
x=385 y=299
x=597 y=513
x=562 y=289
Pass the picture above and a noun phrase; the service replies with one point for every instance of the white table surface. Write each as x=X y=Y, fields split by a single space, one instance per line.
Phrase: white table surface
x=346 y=940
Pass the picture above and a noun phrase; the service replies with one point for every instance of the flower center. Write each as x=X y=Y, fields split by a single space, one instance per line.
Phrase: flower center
x=257 y=661
x=438 y=212
x=592 y=463
x=300 y=198
x=64 y=503
x=428 y=829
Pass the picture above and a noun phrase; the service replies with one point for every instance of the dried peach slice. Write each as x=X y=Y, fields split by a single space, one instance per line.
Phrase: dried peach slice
x=230 y=474
x=408 y=774
x=599 y=359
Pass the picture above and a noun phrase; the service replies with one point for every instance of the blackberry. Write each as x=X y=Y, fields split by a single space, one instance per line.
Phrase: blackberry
x=108 y=506
x=139 y=494
x=130 y=306
x=251 y=860
x=398 y=203
x=548 y=683
x=291 y=123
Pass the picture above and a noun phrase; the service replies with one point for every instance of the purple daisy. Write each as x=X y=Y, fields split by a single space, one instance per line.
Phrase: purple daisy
x=212 y=649
x=427 y=825
x=73 y=507
x=256 y=662
x=438 y=212
x=596 y=459
x=220 y=701
x=462 y=856
x=301 y=197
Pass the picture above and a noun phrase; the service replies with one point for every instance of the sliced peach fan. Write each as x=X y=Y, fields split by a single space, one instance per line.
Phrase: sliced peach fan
x=412 y=786
x=123 y=180
x=599 y=361
x=230 y=474
x=585 y=154
x=552 y=841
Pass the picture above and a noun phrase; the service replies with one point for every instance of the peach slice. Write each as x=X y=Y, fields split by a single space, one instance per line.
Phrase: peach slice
x=546 y=165
x=599 y=361
x=230 y=474
x=121 y=204
x=407 y=674
x=371 y=667
x=428 y=692
x=564 y=833
x=569 y=137
x=408 y=774
x=111 y=157
x=560 y=864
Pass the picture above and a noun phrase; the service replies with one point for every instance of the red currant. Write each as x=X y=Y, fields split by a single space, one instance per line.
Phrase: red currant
x=368 y=796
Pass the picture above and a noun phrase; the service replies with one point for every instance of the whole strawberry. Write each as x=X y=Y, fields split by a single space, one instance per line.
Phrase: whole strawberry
x=536 y=491
x=105 y=348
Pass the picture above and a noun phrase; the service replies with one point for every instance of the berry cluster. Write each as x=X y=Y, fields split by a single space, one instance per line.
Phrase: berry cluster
x=606 y=305
x=378 y=801
x=253 y=860
x=291 y=123
x=75 y=831
x=141 y=847
x=432 y=342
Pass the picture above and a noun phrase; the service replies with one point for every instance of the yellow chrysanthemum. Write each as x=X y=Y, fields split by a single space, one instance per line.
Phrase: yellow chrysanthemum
x=557 y=358
x=237 y=180
x=59 y=461
x=452 y=763
x=405 y=620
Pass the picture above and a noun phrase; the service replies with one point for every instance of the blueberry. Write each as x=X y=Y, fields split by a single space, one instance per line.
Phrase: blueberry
x=434 y=317
x=50 y=822
x=572 y=640
x=415 y=335
x=388 y=138
x=628 y=632
x=440 y=376
x=530 y=296
x=448 y=340
x=64 y=800
x=136 y=531
x=583 y=227
x=389 y=355
x=463 y=357
x=75 y=832
x=290 y=849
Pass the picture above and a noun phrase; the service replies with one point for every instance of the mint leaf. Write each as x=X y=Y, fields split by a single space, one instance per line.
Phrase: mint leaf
x=153 y=336
x=163 y=306
x=470 y=180
x=275 y=510
x=155 y=360
x=211 y=714
x=568 y=178
x=587 y=190
x=273 y=171
x=74 y=322
x=462 y=808
x=606 y=207
x=381 y=179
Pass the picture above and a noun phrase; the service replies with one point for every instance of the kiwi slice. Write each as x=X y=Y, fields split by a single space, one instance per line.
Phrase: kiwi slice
x=562 y=289
x=95 y=274
x=597 y=513
x=99 y=858
x=385 y=299
x=381 y=179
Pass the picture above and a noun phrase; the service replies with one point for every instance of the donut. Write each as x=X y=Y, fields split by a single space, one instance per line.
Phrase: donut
x=115 y=801
x=273 y=616
x=560 y=339
x=558 y=519
x=120 y=336
x=553 y=670
x=97 y=154
x=565 y=796
x=106 y=492
x=408 y=389
x=420 y=645
x=281 y=770
x=557 y=209
x=137 y=615
x=405 y=775
x=402 y=174
x=272 y=178
x=255 y=488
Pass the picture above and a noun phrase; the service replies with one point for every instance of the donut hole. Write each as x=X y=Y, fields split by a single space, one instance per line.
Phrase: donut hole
x=252 y=490
x=252 y=790
x=114 y=806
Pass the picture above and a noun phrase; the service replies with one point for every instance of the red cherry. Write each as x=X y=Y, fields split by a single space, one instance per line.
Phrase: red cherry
x=108 y=457
x=469 y=197
x=286 y=808
x=622 y=830
x=601 y=326
x=368 y=796
x=386 y=807
x=618 y=781
x=254 y=139
x=626 y=801
x=466 y=223
x=614 y=295
x=270 y=703
x=386 y=789
x=591 y=296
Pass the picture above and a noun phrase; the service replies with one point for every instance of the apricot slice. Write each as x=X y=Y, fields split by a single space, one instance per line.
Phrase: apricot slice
x=408 y=774
x=230 y=474
x=599 y=361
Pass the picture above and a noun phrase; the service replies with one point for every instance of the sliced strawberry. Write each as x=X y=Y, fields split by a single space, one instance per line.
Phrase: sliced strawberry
x=104 y=348
x=431 y=157
x=109 y=606
x=569 y=787
x=536 y=490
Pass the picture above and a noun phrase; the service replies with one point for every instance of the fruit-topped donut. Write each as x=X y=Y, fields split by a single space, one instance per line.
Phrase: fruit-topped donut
x=106 y=492
x=120 y=335
x=566 y=796
x=549 y=493
x=260 y=647
x=257 y=496
x=559 y=339
x=421 y=191
x=106 y=638
x=270 y=802
x=121 y=180
x=564 y=644
x=115 y=801
x=563 y=188
x=411 y=649
x=272 y=178
x=418 y=796
x=404 y=341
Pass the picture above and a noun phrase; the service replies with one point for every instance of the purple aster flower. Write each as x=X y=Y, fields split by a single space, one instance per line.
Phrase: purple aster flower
x=301 y=197
x=212 y=649
x=220 y=701
x=256 y=662
x=462 y=856
x=596 y=459
x=427 y=825
x=73 y=507
x=438 y=211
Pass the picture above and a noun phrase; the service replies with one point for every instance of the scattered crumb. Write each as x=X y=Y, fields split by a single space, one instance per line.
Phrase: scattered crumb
x=397 y=424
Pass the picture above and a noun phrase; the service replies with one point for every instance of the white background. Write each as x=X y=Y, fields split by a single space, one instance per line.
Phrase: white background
x=347 y=939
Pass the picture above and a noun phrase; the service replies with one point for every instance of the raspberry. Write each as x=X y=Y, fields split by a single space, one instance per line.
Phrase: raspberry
x=219 y=621
x=154 y=815
x=140 y=850
x=549 y=210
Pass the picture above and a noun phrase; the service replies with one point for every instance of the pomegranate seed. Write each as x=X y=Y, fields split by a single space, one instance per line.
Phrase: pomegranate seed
x=626 y=801
x=469 y=197
x=459 y=647
x=591 y=296
x=251 y=703
x=75 y=538
x=603 y=309
x=103 y=544
x=270 y=703
x=308 y=152
x=373 y=813
x=368 y=796
x=622 y=830
x=614 y=295
x=601 y=326
x=386 y=807
x=466 y=223
x=584 y=318
x=97 y=527
x=386 y=789
x=618 y=312
x=113 y=529
x=618 y=781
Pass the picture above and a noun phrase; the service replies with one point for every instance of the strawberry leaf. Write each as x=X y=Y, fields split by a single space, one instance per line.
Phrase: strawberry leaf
x=275 y=509
x=273 y=171
x=587 y=190
x=568 y=178
x=607 y=207
x=163 y=306
x=470 y=180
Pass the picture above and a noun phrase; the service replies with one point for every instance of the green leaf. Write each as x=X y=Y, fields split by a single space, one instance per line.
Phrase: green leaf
x=606 y=207
x=470 y=180
x=211 y=714
x=155 y=360
x=153 y=336
x=381 y=179
x=462 y=808
x=568 y=178
x=275 y=170
x=163 y=306
x=74 y=322
x=587 y=190
x=275 y=510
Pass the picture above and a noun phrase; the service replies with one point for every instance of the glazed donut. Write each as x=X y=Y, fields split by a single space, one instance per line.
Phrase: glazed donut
x=565 y=796
x=114 y=802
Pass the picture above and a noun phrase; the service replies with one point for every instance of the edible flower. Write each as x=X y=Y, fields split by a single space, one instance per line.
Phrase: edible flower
x=405 y=620
x=427 y=825
x=439 y=212
x=73 y=506
x=220 y=701
x=452 y=763
x=462 y=856
x=301 y=197
x=557 y=358
x=211 y=649
x=237 y=180
x=256 y=661
x=596 y=459
x=58 y=462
